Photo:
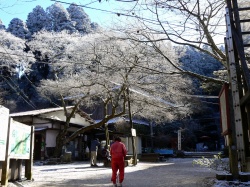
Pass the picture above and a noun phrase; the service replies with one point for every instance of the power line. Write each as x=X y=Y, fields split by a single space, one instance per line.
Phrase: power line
x=111 y=12
x=6 y=53
x=107 y=11
x=203 y=96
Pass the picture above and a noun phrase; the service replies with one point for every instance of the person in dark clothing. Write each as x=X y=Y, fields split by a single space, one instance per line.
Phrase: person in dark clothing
x=93 y=151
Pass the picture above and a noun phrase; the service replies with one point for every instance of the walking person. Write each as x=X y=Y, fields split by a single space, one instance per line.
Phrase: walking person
x=118 y=153
x=93 y=151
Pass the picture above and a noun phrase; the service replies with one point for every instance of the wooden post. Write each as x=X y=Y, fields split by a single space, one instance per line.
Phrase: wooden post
x=6 y=163
x=151 y=135
x=235 y=95
x=132 y=127
x=233 y=157
x=19 y=165
x=29 y=162
x=107 y=136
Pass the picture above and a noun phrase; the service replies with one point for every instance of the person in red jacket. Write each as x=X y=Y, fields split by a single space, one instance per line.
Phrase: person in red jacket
x=118 y=152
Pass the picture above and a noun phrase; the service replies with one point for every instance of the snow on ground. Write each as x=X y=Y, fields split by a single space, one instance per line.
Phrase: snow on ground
x=176 y=172
x=230 y=183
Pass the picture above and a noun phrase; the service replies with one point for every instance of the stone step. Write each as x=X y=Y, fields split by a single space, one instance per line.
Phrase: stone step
x=243 y=177
x=200 y=154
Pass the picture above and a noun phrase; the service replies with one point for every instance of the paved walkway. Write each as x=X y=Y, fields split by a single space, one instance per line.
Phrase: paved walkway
x=173 y=172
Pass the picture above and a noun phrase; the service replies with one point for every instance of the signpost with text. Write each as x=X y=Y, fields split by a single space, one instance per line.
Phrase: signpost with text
x=16 y=143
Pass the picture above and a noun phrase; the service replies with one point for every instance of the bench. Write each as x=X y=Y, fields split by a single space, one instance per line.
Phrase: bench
x=164 y=152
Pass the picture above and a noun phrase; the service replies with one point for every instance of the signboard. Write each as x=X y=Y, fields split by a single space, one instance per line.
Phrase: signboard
x=20 y=135
x=179 y=140
x=133 y=132
x=4 y=116
x=224 y=110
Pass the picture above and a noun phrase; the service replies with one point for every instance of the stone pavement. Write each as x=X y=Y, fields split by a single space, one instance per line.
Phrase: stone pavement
x=173 y=172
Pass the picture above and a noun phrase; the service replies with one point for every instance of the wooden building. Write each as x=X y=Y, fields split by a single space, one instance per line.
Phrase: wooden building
x=48 y=123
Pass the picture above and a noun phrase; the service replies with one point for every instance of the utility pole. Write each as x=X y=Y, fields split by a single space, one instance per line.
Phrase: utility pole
x=151 y=135
x=239 y=82
x=107 y=135
x=132 y=129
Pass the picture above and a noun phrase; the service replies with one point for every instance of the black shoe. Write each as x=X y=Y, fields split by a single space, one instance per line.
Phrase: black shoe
x=96 y=165
x=92 y=165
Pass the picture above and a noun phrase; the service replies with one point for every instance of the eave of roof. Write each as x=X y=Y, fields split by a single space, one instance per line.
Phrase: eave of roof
x=48 y=110
x=137 y=121
x=37 y=112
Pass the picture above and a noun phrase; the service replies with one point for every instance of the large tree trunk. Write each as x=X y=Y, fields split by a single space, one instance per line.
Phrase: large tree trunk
x=61 y=138
x=60 y=142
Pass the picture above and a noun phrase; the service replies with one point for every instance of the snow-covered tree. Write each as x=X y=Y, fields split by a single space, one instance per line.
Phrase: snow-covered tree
x=58 y=19
x=19 y=28
x=1 y=25
x=194 y=23
x=13 y=58
x=81 y=19
x=37 y=19
x=98 y=60
x=103 y=70
x=15 y=63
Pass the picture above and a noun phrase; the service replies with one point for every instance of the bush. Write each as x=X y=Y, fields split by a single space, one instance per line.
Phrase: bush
x=217 y=163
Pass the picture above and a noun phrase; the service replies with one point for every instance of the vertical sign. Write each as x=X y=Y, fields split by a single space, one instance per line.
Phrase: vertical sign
x=224 y=109
x=133 y=132
x=4 y=116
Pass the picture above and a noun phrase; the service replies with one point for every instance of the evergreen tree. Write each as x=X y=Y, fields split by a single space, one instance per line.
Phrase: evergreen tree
x=94 y=26
x=199 y=62
x=36 y=19
x=203 y=64
x=58 y=19
x=81 y=19
x=18 y=28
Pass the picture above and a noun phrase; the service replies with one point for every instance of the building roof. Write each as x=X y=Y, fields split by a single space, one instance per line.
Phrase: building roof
x=37 y=112
x=137 y=121
x=48 y=110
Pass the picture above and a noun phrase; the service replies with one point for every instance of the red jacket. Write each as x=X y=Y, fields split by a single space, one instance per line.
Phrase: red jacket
x=118 y=151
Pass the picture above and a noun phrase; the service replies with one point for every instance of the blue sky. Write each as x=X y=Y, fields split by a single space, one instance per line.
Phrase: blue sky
x=10 y=9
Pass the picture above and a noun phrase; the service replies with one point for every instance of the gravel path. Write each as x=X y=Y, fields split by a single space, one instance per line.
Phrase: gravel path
x=173 y=172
